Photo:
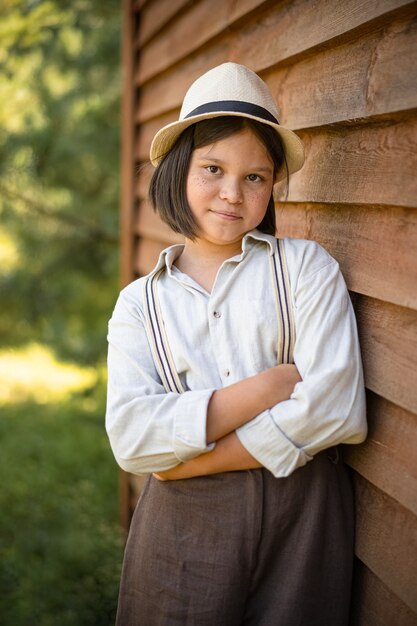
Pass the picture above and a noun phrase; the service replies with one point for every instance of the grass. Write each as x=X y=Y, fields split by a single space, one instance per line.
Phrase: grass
x=60 y=542
x=32 y=373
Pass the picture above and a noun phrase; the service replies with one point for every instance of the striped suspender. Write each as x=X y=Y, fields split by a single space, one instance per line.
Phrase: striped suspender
x=157 y=336
x=283 y=302
x=158 y=340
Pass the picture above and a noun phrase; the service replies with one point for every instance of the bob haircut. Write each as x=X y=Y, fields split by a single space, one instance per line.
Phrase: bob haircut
x=167 y=191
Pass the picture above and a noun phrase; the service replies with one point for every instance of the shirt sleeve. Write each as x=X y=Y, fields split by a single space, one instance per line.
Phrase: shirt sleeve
x=328 y=406
x=149 y=429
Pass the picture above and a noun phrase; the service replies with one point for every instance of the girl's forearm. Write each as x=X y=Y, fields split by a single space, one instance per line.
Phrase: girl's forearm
x=228 y=455
x=237 y=404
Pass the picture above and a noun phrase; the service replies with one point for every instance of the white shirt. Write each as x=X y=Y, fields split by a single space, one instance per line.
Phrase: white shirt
x=221 y=337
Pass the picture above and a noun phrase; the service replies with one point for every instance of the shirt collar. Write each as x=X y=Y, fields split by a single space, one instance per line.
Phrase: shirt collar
x=169 y=255
x=255 y=235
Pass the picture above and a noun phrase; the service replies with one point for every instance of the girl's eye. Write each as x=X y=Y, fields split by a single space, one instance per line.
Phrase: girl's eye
x=213 y=169
x=254 y=178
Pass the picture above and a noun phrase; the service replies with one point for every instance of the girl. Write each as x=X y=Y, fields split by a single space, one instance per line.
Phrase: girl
x=234 y=371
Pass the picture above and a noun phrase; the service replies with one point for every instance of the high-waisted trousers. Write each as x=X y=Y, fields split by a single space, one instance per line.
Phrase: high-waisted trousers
x=242 y=549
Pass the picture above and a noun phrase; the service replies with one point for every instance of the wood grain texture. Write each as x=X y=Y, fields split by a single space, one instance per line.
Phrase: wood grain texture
x=366 y=75
x=372 y=164
x=297 y=30
x=183 y=36
x=376 y=246
x=374 y=604
x=137 y=483
x=124 y=501
x=154 y=16
x=373 y=75
x=150 y=226
x=386 y=540
x=166 y=92
x=388 y=341
x=160 y=13
x=138 y=5
x=146 y=255
x=345 y=77
x=127 y=131
x=270 y=34
x=147 y=131
x=387 y=458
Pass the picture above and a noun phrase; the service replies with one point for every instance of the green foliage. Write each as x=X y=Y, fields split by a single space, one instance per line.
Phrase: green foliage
x=59 y=172
x=60 y=544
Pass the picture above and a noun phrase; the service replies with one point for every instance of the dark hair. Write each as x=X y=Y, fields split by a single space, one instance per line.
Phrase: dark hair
x=167 y=190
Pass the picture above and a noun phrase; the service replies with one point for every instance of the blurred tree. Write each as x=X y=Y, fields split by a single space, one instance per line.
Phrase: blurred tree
x=59 y=172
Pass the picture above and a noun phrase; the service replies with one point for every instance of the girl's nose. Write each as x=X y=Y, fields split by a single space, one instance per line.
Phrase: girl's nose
x=231 y=192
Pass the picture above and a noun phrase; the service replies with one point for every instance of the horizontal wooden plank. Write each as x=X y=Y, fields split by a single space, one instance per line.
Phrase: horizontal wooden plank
x=146 y=132
x=386 y=540
x=136 y=484
x=388 y=457
x=174 y=42
x=301 y=29
x=127 y=200
x=359 y=165
x=149 y=225
x=195 y=27
x=376 y=246
x=388 y=341
x=374 y=75
x=364 y=76
x=139 y=4
x=270 y=35
x=154 y=16
x=146 y=255
x=374 y=604
x=167 y=91
x=377 y=78
x=158 y=13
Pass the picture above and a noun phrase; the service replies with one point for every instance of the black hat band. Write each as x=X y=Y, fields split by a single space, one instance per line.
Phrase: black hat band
x=233 y=106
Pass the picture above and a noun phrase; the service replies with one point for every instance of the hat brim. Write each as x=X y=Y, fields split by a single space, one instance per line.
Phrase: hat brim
x=167 y=136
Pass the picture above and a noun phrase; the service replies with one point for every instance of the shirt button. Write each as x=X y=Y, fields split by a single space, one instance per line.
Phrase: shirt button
x=226 y=373
x=217 y=314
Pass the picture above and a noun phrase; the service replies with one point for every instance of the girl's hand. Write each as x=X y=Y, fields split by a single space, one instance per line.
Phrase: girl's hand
x=228 y=455
x=176 y=473
x=236 y=404
x=278 y=383
x=273 y=385
x=159 y=476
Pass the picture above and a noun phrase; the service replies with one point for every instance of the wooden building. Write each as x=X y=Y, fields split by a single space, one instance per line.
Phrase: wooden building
x=344 y=73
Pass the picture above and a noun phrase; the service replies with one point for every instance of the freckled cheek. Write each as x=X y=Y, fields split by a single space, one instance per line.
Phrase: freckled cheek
x=198 y=187
x=258 y=198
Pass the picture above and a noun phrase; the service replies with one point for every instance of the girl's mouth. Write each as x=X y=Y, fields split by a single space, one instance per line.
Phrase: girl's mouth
x=227 y=216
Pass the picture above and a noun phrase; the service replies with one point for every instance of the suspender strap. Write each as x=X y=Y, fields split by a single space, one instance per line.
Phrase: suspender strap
x=158 y=340
x=157 y=336
x=285 y=315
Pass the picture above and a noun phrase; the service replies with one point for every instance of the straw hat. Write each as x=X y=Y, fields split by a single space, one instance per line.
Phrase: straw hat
x=229 y=89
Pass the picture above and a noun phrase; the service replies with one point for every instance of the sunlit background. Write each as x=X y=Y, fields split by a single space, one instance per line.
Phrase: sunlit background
x=60 y=542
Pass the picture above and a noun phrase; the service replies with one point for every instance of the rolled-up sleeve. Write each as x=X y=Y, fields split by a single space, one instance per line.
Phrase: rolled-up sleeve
x=328 y=406
x=149 y=429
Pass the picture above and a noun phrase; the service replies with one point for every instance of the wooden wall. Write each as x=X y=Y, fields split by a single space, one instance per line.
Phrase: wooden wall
x=344 y=74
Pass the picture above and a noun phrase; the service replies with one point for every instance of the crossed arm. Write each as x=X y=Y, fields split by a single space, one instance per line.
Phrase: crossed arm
x=230 y=408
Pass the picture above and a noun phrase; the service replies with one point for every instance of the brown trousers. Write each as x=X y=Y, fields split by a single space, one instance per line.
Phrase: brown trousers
x=242 y=549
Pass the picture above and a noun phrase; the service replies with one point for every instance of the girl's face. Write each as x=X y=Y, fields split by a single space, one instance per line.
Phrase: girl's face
x=229 y=185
